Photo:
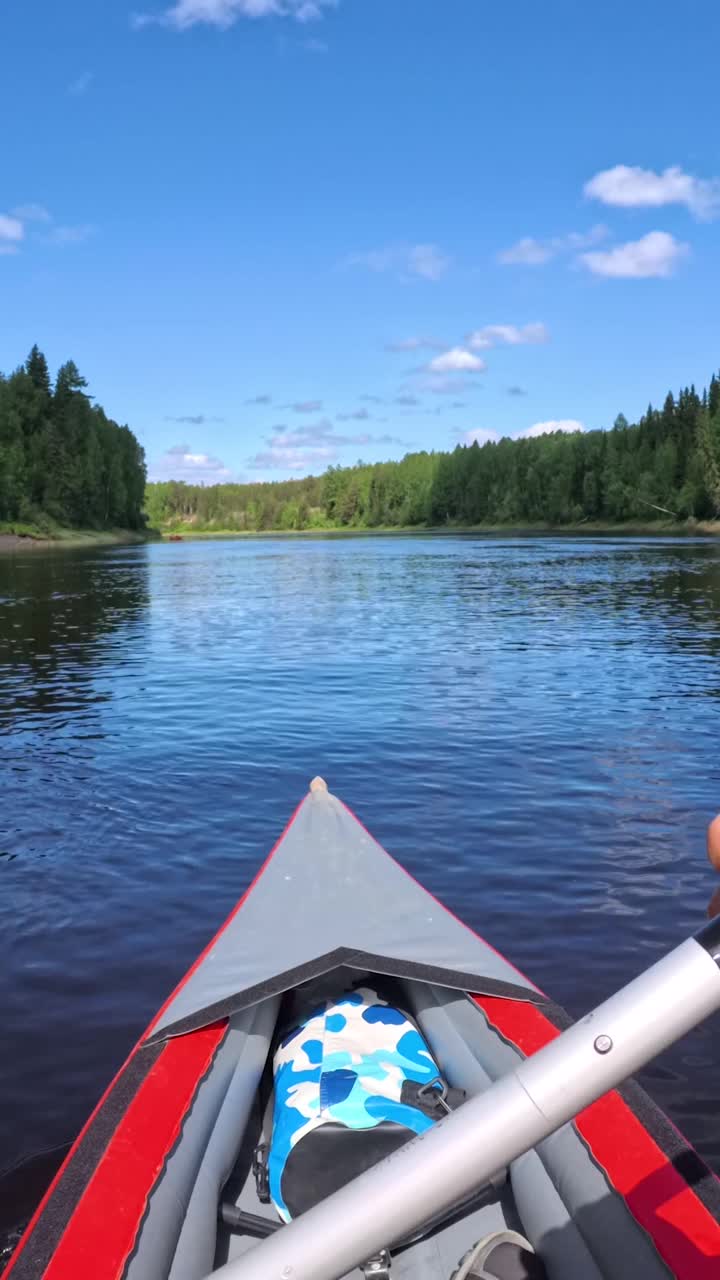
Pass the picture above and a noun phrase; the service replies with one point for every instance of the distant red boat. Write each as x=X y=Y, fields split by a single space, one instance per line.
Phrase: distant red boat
x=176 y=537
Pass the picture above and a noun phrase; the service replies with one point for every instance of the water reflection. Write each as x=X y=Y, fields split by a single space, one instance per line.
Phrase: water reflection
x=66 y=622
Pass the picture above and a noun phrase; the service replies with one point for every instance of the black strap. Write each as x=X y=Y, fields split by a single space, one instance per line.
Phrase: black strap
x=435 y=1099
x=260 y=1172
x=250 y=1224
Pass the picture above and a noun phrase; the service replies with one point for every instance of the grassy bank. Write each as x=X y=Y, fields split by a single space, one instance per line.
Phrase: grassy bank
x=658 y=528
x=15 y=536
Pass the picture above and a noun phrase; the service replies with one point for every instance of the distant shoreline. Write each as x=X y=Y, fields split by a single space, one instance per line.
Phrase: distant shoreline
x=658 y=528
x=38 y=540
x=30 y=539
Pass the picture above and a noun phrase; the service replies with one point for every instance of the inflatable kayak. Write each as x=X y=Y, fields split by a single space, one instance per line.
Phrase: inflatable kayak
x=347 y=1066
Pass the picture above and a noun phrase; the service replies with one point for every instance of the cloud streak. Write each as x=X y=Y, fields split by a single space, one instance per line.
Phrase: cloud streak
x=358 y=415
x=507 y=335
x=77 y=88
x=415 y=344
x=418 y=261
x=63 y=236
x=223 y=14
x=32 y=213
x=304 y=406
x=630 y=187
x=290 y=458
x=446 y=384
x=529 y=252
x=317 y=444
x=193 y=419
x=655 y=255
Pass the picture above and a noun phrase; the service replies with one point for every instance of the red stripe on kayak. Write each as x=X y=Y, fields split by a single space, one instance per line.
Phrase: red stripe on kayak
x=684 y=1232
x=76 y=1144
x=102 y=1231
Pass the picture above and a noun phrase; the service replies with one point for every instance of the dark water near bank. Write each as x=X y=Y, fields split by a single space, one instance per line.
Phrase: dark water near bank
x=530 y=725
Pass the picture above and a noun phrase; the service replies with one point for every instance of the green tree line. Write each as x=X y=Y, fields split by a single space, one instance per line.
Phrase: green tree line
x=61 y=459
x=667 y=464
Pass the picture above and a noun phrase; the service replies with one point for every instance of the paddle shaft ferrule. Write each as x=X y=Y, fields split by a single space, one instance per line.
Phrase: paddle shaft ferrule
x=461 y=1153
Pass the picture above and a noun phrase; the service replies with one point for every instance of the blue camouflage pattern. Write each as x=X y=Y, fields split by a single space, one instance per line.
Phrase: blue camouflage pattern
x=345 y=1064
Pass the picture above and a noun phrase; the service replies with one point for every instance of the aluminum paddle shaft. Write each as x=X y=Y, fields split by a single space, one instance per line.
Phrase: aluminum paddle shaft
x=443 y=1166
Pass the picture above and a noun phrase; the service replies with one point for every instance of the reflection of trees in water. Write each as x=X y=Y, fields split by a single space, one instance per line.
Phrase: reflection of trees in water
x=66 y=619
x=675 y=588
x=690 y=585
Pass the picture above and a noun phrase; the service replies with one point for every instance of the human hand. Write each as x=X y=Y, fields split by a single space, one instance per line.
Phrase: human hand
x=713 y=849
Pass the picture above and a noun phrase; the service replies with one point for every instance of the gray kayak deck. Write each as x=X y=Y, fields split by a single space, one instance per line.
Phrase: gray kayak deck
x=330 y=894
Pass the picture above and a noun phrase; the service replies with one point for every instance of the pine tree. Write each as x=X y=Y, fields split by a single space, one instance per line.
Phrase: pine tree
x=36 y=367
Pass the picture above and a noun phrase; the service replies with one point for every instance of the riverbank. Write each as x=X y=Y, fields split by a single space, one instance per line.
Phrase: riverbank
x=21 y=537
x=585 y=528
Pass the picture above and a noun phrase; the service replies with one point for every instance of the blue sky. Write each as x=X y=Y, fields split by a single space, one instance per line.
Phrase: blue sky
x=277 y=234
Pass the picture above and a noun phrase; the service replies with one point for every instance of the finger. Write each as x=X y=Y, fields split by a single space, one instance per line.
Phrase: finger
x=714 y=905
x=713 y=842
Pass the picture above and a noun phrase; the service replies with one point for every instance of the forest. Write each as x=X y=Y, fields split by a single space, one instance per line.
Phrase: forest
x=666 y=466
x=62 y=461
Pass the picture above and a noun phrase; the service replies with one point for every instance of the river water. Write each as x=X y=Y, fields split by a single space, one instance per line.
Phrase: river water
x=530 y=725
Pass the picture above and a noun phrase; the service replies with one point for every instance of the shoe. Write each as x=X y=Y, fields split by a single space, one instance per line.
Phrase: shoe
x=504 y=1255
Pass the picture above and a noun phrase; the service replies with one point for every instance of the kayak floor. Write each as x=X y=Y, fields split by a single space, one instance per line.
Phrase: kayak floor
x=435 y=1257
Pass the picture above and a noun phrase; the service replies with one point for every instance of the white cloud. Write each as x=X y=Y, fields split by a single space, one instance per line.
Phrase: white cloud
x=180 y=463
x=654 y=255
x=630 y=187
x=511 y=335
x=225 y=13
x=419 y=261
x=457 y=360
x=535 y=253
x=11 y=230
x=568 y=425
x=479 y=435
x=80 y=86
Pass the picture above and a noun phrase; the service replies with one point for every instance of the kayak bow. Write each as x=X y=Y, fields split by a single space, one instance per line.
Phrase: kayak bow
x=159 y=1184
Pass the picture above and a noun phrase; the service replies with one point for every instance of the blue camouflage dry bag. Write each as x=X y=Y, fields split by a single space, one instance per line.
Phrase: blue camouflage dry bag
x=353 y=1082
